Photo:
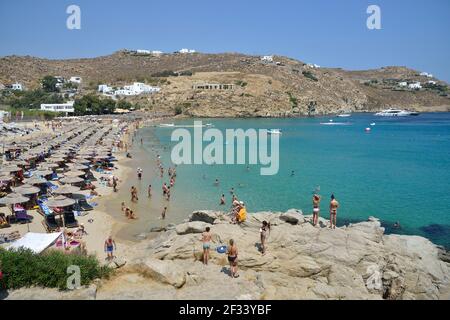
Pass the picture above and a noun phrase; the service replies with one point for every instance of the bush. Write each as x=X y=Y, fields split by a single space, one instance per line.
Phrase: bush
x=178 y=110
x=165 y=74
x=241 y=83
x=31 y=99
x=310 y=75
x=293 y=100
x=23 y=268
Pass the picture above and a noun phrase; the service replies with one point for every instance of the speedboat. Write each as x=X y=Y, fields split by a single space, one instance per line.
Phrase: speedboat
x=167 y=125
x=274 y=131
x=344 y=115
x=393 y=113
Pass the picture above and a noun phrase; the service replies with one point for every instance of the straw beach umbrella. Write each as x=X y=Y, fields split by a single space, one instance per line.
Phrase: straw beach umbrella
x=74 y=173
x=60 y=202
x=66 y=189
x=13 y=198
x=26 y=189
x=35 y=180
x=42 y=173
x=70 y=180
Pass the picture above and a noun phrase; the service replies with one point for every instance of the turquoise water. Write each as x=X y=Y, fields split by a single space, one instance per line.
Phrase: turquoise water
x=400 y=171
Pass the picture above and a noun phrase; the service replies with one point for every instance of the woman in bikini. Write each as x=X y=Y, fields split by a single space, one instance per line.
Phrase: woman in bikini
x=316 y=209
x=206 y=239
x=232 y=259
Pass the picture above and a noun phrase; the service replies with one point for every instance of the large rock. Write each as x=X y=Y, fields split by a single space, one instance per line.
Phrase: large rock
x=207 y=216
x=293 y=216
x=191 y=227
x=161 y=271
x=35 y=293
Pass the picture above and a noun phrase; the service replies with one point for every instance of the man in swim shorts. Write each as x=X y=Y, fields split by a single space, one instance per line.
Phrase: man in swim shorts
x=206 y=239
x=334 y=205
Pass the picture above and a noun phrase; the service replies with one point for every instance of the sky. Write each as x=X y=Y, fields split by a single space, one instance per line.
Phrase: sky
x=330 y=33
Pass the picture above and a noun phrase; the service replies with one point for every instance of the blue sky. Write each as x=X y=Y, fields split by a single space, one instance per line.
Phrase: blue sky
x=331 y=33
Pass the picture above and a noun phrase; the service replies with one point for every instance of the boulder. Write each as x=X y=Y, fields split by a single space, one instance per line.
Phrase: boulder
x=162 y=271
x=207 y=216
x=191 y=227
x=293 y=216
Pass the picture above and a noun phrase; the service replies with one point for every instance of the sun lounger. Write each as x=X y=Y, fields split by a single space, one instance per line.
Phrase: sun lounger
x=69 y=220
x=85 y=206
x=50 y=223
x=44 y=209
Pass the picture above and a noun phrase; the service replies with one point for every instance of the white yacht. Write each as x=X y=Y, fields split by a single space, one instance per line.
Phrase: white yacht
x=344 y=115
x=274 y=131
x=393 y=113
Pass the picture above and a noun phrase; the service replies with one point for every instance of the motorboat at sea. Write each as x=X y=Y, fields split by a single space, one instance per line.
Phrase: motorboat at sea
x=344 y=115
x=396 y=113
x=167 y=125
x=274 y=131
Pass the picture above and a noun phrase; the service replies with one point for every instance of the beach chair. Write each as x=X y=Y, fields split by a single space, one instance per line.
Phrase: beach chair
x=84 y=205
x=50 y=223
x=44 y=210
x=69 y=219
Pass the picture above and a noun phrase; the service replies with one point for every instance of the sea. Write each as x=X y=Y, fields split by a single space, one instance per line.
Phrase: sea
x=398 y=171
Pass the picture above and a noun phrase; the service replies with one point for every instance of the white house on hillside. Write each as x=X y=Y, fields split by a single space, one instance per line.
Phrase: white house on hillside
x=403 y=84
x=415 y=85
x=141 y=51
x=104 y=88
x=187 y=51
x=267 y=58
x=426 y=74
x=59 y=107
x=136 y=89
x=431 y=82
x=75 y=80
x=157 y=52
x=17 y=86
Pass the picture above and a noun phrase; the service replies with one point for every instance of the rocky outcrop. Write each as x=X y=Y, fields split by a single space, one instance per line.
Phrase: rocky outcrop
x=357 y=261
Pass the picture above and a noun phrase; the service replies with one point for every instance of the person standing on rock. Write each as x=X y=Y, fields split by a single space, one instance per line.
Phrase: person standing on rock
x=334 y=205
x=163 y=214
x=110 y=246
x=264 y=233
x=232 y=259
x=206 y=239
x=316 y=209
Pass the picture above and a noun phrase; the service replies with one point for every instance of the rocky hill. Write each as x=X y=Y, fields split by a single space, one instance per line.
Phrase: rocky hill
x=284 y=87
x=302 y=262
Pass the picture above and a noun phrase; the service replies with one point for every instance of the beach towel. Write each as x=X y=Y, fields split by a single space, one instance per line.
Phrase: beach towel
x=242 y=215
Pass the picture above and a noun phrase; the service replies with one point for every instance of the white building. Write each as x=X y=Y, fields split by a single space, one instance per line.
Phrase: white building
x=104 y=88
x=431 y=82
x=75 y=80
x=403 y=84
x=17 y=86
x=187 y=51
x=426 y=74
x=141 y=51
x=267 y=58
x=135 y=89
x=59 y=107
x=415 y=85
x=157 y=53
x=3 y=114
x=313 y=65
